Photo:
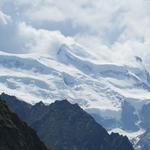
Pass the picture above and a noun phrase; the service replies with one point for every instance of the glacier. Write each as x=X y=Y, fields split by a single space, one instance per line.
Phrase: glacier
x=105 y=90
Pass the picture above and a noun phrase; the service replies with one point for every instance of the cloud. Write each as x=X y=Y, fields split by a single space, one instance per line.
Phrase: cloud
x=41 y=40
x=107 y=28
x=4 y=19
x=53 y=14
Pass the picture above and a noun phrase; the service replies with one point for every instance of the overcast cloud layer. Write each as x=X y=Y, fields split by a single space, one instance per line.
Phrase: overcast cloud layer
x=114 y=29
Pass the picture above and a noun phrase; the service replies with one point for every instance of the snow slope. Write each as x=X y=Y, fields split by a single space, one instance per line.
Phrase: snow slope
x=73 y=73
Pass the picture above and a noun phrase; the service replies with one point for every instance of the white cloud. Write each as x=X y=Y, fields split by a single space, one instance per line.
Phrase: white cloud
x=44 y=13
x=108 y=28
x=40 y=40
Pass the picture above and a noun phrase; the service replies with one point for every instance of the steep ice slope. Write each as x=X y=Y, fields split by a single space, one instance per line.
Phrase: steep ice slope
x=75 y=74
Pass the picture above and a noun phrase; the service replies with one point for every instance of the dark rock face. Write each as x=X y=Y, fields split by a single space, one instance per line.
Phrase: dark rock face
x=120 y=142
x=21 y=108
x=72 y=127
x=16 y=134
x=65 y=126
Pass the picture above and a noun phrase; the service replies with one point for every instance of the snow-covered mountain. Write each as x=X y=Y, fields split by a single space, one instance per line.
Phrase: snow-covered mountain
x=114 y=94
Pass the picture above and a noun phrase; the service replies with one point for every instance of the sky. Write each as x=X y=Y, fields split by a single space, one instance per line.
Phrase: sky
x=114 y=30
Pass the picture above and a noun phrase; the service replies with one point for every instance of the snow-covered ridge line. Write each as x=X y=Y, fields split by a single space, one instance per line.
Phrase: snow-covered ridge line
x=15 y=62
x=99 y=88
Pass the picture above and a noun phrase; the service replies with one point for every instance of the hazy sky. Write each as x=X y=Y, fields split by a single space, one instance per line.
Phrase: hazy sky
x=119 y=29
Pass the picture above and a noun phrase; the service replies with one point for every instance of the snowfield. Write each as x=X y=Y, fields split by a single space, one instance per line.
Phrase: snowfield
x=72 y=73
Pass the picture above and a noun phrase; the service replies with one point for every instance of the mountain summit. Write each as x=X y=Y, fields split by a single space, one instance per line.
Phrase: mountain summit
x=65 y=126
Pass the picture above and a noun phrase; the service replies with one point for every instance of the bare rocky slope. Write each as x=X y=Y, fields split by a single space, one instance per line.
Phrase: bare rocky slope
x=65 y=126
x=16 y=134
